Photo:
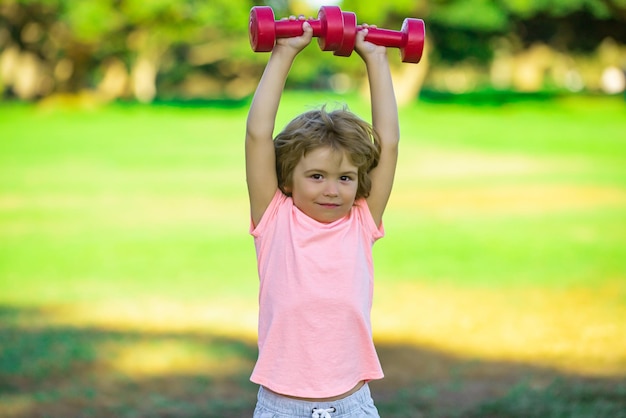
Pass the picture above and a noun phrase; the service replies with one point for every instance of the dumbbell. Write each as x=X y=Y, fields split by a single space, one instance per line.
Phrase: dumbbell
x=264 y=29
x=410 y=39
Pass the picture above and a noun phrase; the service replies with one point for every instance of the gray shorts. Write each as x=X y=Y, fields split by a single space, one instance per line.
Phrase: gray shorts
x=359 y=404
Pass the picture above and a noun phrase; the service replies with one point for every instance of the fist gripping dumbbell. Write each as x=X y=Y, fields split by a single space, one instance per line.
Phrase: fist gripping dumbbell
x=264 y=29
x=410 y=39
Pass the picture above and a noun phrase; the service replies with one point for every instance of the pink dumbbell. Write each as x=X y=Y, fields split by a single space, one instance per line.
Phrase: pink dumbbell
x=264 y=29
x=410 y=39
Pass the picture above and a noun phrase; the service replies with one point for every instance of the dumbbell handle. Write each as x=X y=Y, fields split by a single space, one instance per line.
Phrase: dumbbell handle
x=291 y=28
x=385 y=37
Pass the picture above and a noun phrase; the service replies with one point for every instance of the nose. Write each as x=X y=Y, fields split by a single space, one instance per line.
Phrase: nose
x=331 y=189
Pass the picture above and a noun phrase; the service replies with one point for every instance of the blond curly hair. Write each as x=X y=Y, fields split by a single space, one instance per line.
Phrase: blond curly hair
x=340 y=130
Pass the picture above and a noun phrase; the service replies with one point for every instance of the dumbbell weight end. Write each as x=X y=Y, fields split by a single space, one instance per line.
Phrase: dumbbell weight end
x=415 y=34
x=261 y=29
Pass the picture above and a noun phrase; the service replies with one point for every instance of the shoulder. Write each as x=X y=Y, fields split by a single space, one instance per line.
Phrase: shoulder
x=363 y=215
x=279 y=202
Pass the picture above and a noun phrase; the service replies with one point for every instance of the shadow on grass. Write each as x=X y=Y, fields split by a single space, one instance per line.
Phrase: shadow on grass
x=60 y=371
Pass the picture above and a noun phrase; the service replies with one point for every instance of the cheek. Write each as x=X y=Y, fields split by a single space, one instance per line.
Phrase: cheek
x=352 y=191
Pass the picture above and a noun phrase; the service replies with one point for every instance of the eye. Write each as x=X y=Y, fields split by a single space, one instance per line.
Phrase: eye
x=346 y=178
x=316 y=176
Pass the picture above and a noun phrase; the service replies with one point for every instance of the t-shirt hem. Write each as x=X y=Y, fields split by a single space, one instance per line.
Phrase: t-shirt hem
x=289 y=391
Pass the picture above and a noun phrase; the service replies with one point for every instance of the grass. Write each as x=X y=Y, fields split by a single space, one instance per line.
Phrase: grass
x=128 y=283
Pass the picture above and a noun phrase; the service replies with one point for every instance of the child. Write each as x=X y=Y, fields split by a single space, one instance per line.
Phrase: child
x=317 y=196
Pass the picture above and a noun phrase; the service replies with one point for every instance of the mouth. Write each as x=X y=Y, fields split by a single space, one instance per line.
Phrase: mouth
x=329 y=205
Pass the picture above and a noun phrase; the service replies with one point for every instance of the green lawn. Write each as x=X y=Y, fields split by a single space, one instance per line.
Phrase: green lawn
x=128 y=279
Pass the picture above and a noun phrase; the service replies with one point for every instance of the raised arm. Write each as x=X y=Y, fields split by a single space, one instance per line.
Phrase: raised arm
x=260 y=157
x=384 y=120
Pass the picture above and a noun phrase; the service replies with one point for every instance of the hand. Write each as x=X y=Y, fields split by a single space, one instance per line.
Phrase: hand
x=297 y=43
x=367 y=49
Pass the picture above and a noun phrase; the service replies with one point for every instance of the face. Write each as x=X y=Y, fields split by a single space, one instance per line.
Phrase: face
x=324 y=184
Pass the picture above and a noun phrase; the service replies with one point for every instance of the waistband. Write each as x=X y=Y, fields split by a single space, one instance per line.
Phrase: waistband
x=284 y=405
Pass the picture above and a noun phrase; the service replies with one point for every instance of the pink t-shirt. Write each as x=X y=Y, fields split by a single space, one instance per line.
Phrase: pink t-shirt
x=315 y=299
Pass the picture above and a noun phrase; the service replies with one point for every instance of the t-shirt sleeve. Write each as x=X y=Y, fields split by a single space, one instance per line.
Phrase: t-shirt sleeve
x=268 y=215
x=376 y=231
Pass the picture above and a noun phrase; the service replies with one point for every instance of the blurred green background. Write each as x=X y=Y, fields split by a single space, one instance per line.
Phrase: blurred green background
x=194 y=50
x=127 y=276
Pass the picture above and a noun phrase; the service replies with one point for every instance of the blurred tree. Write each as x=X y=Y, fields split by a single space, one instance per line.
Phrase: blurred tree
x=568 y=25
x=74 y=44
x=463 y=29
x=197 y=49
x=470 y=32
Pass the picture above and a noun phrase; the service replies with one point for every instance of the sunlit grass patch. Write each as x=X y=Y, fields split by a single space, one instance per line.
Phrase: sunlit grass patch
x=576 y=330
x=174 y=354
